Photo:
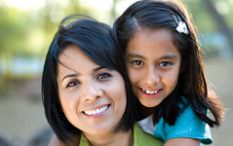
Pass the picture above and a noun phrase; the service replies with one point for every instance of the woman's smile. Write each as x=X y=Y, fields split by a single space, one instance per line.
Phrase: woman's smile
x=97 y=111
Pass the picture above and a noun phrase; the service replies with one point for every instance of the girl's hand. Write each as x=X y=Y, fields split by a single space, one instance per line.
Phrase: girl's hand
x=182 y=142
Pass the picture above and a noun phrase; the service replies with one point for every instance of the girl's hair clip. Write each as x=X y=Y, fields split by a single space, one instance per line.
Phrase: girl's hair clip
x=181 y=25
x=182 y=28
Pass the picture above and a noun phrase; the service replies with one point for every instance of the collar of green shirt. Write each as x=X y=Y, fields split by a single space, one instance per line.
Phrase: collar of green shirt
x=140 y=138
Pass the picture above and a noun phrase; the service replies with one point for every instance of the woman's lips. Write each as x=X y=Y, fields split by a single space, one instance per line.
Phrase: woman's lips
x=97 y=110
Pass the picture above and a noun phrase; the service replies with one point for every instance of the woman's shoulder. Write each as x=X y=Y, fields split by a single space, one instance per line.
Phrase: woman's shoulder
x=142 y=138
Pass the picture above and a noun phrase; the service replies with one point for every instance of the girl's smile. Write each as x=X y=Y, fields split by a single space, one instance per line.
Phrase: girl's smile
x=151 y=93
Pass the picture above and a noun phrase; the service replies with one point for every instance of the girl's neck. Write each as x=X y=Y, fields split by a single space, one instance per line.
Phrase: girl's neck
x=120 y=138
x=147 y=110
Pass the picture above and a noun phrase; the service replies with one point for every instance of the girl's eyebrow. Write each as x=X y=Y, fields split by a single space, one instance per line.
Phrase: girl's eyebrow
x=134 y=55
x=168 y=56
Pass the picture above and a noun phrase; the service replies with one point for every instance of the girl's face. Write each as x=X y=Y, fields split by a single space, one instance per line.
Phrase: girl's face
x=153 y=63
x=93 y=98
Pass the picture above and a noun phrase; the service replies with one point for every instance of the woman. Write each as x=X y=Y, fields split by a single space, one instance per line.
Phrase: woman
x=84 y=90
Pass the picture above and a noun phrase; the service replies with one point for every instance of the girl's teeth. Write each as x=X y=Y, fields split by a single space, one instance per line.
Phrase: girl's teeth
x=96 y=111
x=150 y=92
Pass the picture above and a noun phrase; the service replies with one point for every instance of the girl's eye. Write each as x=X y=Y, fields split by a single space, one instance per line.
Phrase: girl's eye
x=72 y=83
x=103 y=76
x=137 y=63
x=165 y=64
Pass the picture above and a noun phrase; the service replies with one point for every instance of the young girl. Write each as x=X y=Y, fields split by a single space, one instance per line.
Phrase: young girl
x=85 y=93
x=165 y=68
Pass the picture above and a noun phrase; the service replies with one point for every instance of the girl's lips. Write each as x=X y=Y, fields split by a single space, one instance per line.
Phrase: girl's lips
x=150 y=93
x=97 y=110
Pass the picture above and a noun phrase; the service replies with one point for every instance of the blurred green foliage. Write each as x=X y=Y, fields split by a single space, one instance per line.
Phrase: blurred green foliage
x=202 y=17
x=28 y=33
x=13 y=31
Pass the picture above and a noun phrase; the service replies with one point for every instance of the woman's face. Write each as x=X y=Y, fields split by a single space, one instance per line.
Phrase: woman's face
x=93 y=98
x=153 y=63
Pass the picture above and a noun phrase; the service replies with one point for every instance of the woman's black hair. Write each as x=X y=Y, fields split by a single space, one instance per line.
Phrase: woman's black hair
x=95 y=40
x=152 y=14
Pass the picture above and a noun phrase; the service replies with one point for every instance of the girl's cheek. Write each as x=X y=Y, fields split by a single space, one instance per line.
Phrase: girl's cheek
x=134 y=76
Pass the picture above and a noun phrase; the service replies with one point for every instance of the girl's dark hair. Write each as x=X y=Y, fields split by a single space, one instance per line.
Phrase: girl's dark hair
x=95 y=40
x=192 y=85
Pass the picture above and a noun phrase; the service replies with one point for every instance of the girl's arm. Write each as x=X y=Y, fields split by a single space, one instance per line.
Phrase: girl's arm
x=188 y=130
x=55 y=142
x=182 y=142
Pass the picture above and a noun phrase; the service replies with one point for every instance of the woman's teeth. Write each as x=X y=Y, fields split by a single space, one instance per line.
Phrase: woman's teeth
x=96 y=111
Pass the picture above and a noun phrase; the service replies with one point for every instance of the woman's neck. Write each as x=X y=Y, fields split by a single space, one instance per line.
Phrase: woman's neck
x=119 y=138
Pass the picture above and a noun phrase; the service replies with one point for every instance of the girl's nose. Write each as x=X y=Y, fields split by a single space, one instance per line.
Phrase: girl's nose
x=152 y=77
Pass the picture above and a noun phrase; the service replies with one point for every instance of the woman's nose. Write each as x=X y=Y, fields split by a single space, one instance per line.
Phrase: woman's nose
x=92 y=91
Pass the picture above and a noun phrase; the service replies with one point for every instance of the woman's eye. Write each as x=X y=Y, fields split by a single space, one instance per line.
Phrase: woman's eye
x=72 y=83
x=103 y=76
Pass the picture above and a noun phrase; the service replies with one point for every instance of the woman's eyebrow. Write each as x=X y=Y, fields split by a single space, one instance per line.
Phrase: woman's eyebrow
x=70 y=75
x=76 y=73
x=99 y=68
x=67 y=67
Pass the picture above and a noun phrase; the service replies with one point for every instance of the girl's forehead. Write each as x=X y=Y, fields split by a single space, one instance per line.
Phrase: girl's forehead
x=152 y=33
x=151 y=36
x=152 y=42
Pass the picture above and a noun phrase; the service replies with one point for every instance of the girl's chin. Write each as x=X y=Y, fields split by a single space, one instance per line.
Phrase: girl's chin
x=149 y=104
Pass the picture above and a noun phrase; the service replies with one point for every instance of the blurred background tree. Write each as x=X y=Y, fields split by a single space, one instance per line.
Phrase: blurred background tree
x=213 y=20
x=27 y=27
x=26 y=32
